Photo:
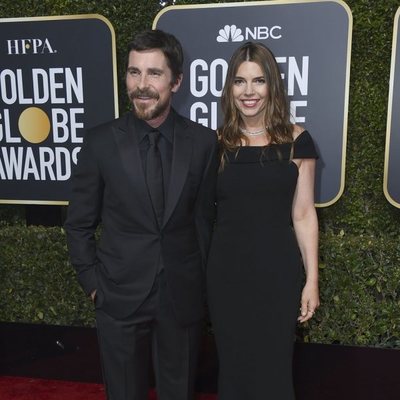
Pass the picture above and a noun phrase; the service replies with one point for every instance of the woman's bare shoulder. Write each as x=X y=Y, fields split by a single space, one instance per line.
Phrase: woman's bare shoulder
x=297 y=131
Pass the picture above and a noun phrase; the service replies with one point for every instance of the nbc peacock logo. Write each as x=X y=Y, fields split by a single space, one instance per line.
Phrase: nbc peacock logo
x=230 y=33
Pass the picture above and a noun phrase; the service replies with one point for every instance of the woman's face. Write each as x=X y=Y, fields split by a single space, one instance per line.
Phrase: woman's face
x=250 y=91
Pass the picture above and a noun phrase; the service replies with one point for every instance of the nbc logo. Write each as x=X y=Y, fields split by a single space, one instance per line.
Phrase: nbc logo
x=230 y=32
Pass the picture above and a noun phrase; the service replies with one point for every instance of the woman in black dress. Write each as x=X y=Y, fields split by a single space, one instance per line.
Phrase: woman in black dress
x=266 y=230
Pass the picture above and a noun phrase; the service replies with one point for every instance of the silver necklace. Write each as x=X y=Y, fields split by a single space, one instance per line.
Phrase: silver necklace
x=256 y=133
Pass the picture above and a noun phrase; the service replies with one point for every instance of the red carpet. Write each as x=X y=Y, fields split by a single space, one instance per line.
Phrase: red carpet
x=18 y=388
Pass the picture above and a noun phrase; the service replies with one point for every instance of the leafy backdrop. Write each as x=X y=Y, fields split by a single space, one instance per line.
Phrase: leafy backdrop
x=360 y=253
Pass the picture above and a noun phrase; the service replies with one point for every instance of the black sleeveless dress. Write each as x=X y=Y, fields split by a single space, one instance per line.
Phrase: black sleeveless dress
x=254 y=271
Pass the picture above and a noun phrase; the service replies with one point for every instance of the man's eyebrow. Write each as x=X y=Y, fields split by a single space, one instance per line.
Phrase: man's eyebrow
x=158 y=70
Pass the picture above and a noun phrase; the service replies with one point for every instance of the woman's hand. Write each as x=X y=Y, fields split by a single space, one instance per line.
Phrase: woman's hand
x=309 y=302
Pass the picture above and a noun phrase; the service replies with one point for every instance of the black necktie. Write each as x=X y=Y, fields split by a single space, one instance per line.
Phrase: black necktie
x=154 y=176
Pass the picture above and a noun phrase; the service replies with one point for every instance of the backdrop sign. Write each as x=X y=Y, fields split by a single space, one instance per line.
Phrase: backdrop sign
x=311 y=41
x=391 y=181
x=57 y=78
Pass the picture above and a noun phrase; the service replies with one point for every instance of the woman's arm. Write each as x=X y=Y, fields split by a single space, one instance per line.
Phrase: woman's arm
x=305 y=225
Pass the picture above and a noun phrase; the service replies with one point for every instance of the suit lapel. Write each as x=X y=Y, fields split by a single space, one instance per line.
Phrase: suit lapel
x=182 y=152
x=128 y=146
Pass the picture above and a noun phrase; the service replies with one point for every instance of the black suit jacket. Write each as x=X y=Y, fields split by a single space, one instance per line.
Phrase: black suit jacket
x=109 y=187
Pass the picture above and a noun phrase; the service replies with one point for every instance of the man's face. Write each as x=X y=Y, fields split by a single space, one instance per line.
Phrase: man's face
x=149 y=85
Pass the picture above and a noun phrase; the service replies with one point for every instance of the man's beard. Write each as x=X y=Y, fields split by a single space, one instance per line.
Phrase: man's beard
x=143 y=111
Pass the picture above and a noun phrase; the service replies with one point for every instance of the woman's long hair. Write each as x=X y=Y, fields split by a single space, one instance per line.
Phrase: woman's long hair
x=277 y=114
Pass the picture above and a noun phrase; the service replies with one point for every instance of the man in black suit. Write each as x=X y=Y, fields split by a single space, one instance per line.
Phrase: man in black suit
x=148 y=179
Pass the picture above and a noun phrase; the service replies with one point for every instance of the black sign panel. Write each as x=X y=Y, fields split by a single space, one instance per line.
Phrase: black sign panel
x=391 y=185
x=312 y=43
x=57 y=78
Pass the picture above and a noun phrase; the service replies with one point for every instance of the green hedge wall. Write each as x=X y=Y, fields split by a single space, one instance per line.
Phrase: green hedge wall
x=360 y=282
x=360 y=297
x=359 y=245
x=37 y=284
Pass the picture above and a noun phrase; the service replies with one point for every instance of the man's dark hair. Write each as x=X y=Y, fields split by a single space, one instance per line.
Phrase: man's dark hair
x=167 y=43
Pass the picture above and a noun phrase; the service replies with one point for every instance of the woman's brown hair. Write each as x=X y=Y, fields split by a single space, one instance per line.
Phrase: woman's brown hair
x=277 y=114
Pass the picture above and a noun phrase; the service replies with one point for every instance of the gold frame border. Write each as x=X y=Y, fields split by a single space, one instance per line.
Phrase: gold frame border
x=115 y=79
x=348 y=60
x=389 y=198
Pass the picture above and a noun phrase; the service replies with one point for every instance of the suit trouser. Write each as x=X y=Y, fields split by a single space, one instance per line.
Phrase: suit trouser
x=126 y=347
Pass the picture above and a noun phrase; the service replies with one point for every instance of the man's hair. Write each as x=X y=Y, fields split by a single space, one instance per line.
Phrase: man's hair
x=160 y=40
